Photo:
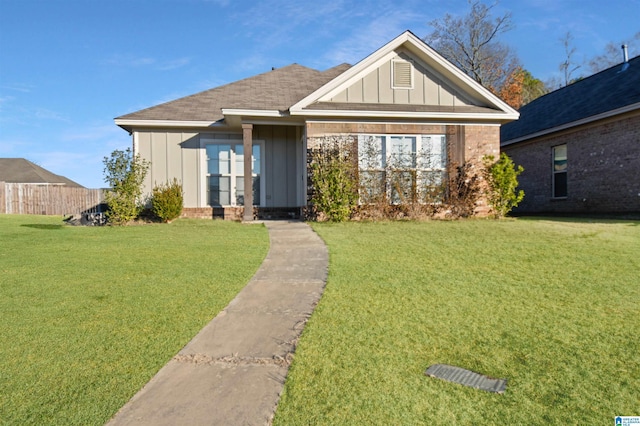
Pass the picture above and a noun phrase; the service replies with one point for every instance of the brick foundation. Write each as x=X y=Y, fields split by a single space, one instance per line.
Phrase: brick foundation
x=236 y=213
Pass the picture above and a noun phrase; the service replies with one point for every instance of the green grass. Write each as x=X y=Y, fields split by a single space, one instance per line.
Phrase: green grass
x=551 y=305
x=90 y=314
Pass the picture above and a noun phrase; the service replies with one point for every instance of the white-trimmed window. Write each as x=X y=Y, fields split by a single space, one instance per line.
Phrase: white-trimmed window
x=224 y=173
x=401 y=168
x=559 y=171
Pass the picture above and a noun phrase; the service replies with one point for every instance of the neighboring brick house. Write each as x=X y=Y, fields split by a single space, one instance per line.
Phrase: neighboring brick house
x=580 y=145
x=404 y=98
x=21 y=170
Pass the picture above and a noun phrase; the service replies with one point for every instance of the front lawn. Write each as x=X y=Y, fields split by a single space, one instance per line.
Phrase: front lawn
x=551 y=305
x=90 y=314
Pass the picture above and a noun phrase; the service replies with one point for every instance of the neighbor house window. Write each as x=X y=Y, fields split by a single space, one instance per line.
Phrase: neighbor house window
x=225 y=174
x=401 y=168
x=559 y=171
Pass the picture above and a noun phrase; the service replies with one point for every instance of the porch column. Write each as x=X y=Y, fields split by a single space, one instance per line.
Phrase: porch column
x=247 y=142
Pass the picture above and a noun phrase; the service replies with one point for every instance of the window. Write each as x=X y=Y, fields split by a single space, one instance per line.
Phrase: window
x=559 y=171
x=225 y=174
x=402 y=74
x=401 y=168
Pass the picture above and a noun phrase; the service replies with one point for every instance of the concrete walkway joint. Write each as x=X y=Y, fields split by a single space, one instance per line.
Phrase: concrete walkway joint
x=233 y=371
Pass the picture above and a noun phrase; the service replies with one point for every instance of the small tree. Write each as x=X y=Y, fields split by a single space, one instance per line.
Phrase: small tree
x=335 y=191
x=502 y=177
x=124 y=173
x=167 y=201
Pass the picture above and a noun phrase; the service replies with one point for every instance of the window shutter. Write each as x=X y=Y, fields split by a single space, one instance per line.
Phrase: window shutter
x=402 y=75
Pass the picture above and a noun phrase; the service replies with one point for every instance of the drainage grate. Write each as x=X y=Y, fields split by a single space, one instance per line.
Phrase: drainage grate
x=464 y=377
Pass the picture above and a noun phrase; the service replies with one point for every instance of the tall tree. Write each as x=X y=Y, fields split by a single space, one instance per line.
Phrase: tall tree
x=532 y=88
x=568 y=66
x=471 y=43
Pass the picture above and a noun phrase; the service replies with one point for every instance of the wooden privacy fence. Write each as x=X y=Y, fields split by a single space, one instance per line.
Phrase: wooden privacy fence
x=25 y=198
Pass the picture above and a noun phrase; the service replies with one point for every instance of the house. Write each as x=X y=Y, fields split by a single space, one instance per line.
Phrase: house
x=26 y=188
x=20 y=170
x=580 y=145
x=404 y=98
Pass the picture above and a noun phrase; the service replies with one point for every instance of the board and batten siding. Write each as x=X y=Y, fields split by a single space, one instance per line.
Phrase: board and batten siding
x=376 y=88
x=178 y=154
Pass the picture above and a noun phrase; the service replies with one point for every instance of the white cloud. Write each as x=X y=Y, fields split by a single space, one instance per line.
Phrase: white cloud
x=381 y=29
x=20 y=87
x=47 y=114
x=173 y=64
x=134 y=61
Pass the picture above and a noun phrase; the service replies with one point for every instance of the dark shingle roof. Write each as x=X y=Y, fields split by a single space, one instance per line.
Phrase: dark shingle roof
x=605 y=91
x=278 y=89
x=20 y=170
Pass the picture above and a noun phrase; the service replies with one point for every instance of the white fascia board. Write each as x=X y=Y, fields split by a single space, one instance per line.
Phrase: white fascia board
x=253 y=112
x=383 y=54
x=363 y=115
x=165 y=123
x=583 y=121
x=416 y=122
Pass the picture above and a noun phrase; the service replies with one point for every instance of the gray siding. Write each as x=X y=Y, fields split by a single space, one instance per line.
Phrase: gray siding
x=281 y=166
x=429 y=88
x=178 y=154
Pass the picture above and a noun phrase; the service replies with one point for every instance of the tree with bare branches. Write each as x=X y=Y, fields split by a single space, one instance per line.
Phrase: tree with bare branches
x=471 y=43
x=613 y=54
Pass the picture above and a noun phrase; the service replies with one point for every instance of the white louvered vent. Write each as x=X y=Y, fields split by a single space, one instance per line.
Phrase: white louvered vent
x=402 y=75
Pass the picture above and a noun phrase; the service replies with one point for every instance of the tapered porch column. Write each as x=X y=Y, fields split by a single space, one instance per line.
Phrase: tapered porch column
x=247 y=142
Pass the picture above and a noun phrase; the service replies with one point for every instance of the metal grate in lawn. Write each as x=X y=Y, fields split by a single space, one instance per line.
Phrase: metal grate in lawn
x=465 y=377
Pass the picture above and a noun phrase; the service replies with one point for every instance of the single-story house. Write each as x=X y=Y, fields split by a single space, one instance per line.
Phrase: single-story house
x=580 y=145
x=21 y=170
x=404 y=98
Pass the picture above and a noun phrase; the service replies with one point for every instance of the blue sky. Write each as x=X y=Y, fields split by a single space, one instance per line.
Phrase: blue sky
x=68 y=67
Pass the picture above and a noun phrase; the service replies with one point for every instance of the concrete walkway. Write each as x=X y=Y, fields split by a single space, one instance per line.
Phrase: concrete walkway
x=233 y=371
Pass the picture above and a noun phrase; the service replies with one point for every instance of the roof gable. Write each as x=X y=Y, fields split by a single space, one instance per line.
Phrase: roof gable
x=439 y=88
x=606 y=93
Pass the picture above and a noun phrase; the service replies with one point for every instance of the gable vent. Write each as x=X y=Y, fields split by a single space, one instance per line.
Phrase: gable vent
x=402 y=75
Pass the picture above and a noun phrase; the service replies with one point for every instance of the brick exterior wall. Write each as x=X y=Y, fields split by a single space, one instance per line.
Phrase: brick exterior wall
x=466 y=143
x=603 y=168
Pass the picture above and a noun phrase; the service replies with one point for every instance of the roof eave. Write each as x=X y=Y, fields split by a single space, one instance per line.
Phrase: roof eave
x=124 y=123
x=396 y=115
x=565 y=126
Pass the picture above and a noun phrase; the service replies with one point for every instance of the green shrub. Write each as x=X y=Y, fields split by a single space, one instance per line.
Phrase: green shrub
x=335 y=191
x=167 y=201
x=124 y=173
x=502 y=177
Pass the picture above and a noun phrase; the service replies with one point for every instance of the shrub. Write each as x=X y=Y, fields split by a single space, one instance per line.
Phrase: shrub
x=167 y=201
x=502 y=177
x=335 y=191
x=124 y=173
x=464 y=189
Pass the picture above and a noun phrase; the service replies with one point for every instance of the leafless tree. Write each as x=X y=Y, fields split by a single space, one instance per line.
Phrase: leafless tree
x=471 y=43
x=613 y=54
x=568 y=66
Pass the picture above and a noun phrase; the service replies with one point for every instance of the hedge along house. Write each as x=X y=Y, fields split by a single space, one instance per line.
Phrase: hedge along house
x=255 y=133
x=580 y=145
